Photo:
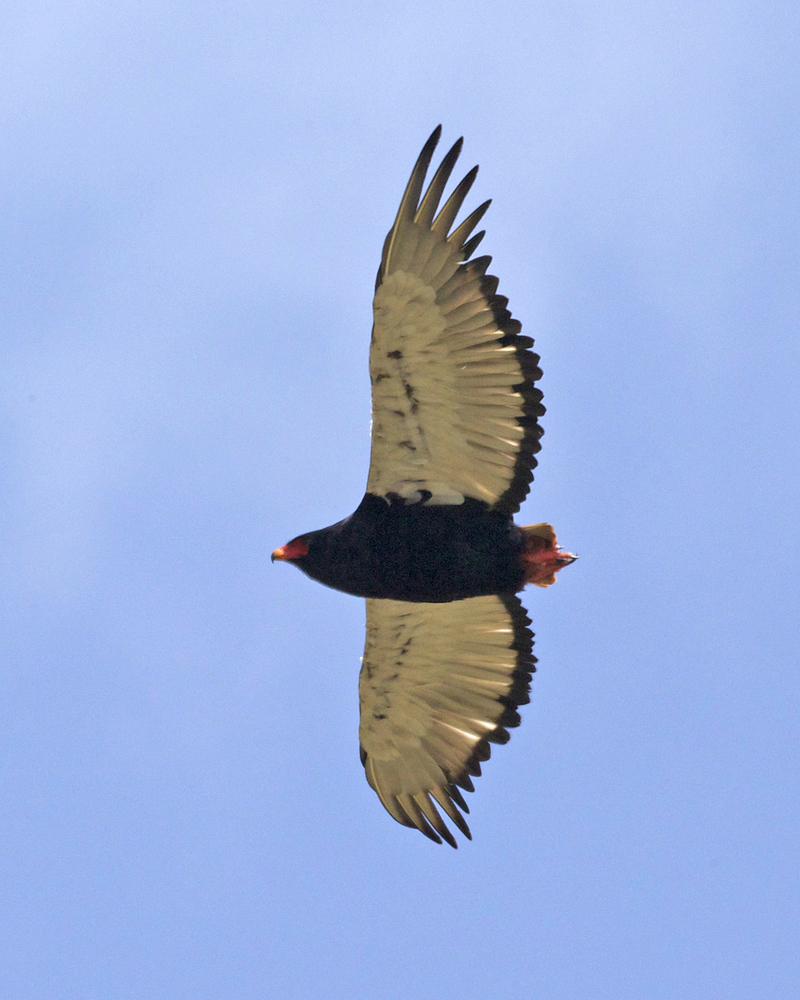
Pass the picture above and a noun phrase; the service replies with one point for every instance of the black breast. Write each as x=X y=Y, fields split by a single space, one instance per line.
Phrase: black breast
x=414 y=552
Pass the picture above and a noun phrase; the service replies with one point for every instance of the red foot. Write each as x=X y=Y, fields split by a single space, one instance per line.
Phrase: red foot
x=541 y=557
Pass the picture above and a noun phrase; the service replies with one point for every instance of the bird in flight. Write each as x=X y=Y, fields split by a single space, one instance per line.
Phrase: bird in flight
x=432 y=546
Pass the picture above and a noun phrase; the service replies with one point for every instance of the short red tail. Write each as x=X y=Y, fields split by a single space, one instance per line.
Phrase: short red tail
x=541 y=557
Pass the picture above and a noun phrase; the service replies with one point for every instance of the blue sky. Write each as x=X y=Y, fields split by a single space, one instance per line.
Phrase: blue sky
x=195 y=198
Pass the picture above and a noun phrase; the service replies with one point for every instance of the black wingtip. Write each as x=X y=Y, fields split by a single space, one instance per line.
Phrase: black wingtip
x=433 y=140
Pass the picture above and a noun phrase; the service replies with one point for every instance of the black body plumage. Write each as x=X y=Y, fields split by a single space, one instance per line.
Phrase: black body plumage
x=415 y=552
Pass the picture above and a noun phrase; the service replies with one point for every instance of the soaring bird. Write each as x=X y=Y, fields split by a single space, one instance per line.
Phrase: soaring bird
x=432 y=546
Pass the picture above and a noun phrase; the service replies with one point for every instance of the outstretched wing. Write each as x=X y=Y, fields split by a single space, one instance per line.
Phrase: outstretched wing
x=439 y=683
x=454 y=405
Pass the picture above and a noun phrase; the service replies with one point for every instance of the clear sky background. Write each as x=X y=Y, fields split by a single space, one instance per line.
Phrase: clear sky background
x=195 y=198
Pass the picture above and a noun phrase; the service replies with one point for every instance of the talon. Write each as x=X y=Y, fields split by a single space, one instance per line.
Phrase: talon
x=541 y=556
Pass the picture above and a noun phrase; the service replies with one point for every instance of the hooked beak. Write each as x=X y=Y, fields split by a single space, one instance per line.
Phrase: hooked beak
x=295 y=549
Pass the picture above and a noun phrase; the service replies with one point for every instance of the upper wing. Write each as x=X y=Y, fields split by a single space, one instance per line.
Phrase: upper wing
x=454 y=406
x=438 y=684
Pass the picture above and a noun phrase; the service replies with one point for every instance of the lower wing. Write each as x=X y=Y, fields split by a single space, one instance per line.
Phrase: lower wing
x=439 y=684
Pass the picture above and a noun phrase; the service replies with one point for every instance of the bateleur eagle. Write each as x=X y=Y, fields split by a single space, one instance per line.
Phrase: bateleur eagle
x=432 y=546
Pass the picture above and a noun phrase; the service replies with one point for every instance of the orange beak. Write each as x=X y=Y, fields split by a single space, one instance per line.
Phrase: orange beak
x=295 y=549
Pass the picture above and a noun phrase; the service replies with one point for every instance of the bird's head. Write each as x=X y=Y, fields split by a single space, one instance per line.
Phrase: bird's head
x=292 y=551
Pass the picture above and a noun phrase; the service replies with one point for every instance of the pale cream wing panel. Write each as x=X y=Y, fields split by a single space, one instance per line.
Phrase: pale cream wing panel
x=454 y=405
x=438 y=684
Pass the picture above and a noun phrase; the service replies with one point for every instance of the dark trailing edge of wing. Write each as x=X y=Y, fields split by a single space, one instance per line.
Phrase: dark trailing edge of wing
x=519 y=694
x=432 y=824
x=422 y=208
x=528 y=361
